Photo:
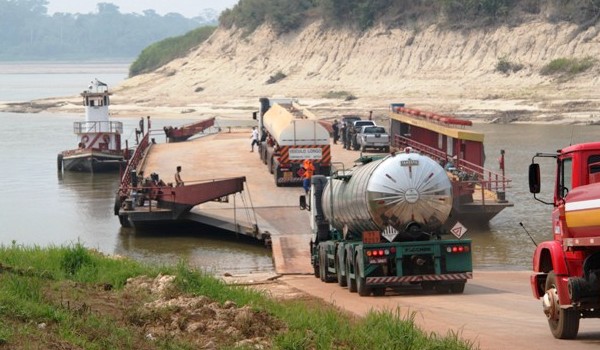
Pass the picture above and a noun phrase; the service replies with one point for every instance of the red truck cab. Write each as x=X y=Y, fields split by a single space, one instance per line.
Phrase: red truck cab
x=567 y=269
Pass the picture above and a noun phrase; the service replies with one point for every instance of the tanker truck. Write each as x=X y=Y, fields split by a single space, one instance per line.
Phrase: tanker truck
x=290 y=134
x=380 y=224
x=566 y=269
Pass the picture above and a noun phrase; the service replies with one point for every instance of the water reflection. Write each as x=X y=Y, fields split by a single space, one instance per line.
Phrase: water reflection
x=210 y=249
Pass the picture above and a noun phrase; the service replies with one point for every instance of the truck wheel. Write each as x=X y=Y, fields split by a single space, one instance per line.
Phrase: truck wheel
x=316 y=267
x=277 y=183
x=325 y=276
x=361 y=284
x=349 y=281
x=564 y=323
x=341 y=279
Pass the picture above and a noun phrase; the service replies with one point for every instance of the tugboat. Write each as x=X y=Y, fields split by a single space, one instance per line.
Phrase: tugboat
x=99 y=148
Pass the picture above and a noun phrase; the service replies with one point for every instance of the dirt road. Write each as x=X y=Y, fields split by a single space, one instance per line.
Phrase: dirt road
x=496 y=311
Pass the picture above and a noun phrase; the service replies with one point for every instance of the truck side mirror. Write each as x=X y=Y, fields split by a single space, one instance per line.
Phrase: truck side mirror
x=534 y=178
x=302 y=202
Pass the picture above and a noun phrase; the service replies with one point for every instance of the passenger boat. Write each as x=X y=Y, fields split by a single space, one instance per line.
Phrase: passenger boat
x=479 y=194
x=99 y=139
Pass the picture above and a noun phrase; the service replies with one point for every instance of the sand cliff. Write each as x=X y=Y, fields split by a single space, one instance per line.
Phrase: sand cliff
x=425 y=66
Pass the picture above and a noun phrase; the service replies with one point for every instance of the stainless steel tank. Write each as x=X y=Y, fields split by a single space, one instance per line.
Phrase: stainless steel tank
x=404 y=190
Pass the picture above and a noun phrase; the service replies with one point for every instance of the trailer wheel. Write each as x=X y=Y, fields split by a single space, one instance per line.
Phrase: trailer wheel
x=564 y=323
x=361 y=284
x=340 y=278
x=349 y=281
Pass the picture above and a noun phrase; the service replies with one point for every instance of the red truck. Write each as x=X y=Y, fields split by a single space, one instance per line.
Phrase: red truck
x=567 y=269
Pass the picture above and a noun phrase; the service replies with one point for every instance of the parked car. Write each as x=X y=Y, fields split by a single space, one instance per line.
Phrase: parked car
x=373 y=137
x=353 y=132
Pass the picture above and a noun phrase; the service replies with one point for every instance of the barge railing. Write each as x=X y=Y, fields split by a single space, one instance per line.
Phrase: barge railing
x=464 y=170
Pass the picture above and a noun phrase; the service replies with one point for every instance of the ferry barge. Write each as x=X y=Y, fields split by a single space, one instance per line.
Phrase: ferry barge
x=479 y=194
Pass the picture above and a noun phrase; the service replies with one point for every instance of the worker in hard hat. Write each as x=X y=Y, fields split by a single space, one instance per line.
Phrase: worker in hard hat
x=309 y=170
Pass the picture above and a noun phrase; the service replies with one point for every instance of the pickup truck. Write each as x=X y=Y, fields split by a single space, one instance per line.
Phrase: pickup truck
x=373 y=137
x=355 y=130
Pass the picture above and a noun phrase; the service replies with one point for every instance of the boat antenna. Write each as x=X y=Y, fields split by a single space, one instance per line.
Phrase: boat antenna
x=523 y=226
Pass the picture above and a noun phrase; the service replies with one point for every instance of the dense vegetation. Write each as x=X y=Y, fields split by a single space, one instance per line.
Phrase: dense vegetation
x=287 y=15
x=70 y=297
x=27 y=32
x=168 y=49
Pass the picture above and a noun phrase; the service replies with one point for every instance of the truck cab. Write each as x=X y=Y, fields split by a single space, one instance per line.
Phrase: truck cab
x=567 y=269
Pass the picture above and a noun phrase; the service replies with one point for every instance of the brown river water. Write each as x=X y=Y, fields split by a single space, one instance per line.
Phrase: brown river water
x=42 y=207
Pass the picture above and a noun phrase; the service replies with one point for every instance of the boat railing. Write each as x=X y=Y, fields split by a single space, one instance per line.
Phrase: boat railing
x=463 y=170
x=133 y=163
x=104 y=126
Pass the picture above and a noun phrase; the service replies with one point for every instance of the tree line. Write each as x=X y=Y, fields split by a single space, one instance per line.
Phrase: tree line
x=287 y=15
x=28 y=32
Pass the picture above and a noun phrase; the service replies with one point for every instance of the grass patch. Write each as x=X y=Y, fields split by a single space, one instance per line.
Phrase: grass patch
x=344 y=95
x=505 y=66
x=568 y=66
x=70 y=297
x=277 y=77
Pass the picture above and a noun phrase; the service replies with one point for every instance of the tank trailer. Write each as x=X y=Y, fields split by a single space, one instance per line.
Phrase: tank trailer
x=380 y=225
x=290 y=134
x=566 y=269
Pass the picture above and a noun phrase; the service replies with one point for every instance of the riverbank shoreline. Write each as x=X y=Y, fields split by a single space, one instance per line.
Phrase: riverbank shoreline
x=498 y=111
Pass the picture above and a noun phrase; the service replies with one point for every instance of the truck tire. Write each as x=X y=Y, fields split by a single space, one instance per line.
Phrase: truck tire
x=349 y=281
x=277 y=183
x=564 y=323
x=361 y=283
x=325 y=276
x=341 y=279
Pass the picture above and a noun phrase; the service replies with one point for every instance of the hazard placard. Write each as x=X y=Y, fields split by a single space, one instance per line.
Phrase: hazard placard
x=458 y=230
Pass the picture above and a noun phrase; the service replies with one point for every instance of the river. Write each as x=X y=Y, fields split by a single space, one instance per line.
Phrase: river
x=42 y=207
